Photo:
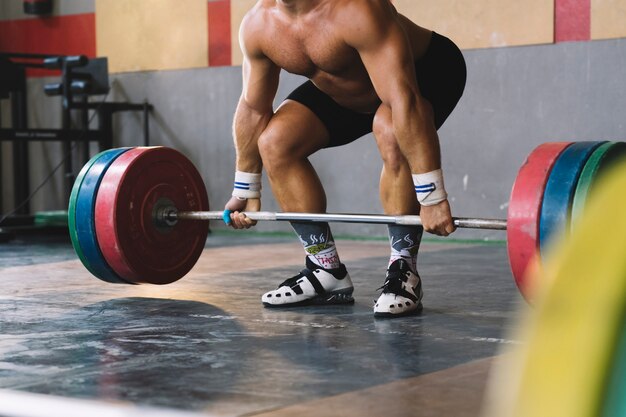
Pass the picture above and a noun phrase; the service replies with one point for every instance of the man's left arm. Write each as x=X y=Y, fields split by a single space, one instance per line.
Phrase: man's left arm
x=385 y=50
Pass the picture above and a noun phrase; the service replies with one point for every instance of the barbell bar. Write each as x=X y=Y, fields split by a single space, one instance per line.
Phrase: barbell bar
x=144 y=207
x=168 y=215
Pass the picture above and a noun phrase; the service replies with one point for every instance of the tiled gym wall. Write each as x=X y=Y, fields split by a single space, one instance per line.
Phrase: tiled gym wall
x=142 y=35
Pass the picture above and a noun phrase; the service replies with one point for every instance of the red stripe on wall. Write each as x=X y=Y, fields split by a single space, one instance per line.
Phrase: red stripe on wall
x=62 y=35
x=572 y=20
x=220 y=53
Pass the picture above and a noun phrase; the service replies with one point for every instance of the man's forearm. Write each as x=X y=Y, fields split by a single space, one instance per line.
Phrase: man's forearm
x=417 y=136
x=248 y=126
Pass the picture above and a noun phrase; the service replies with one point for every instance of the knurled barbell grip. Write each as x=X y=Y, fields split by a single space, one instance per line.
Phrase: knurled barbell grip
x=466 y=223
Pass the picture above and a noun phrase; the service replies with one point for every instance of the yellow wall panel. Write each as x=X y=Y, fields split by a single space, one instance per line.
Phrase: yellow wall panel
x=608 y=19
x=138 y=35
x=486 y=23
x=239 y=8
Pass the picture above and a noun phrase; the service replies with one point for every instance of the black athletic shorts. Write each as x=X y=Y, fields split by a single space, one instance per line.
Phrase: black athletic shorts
x=441 y=76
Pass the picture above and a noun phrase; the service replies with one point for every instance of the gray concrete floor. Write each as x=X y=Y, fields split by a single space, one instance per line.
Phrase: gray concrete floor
x=206 y=343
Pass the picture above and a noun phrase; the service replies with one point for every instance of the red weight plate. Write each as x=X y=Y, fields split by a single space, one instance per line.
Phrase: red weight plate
x=524 y=212
x=133 y=245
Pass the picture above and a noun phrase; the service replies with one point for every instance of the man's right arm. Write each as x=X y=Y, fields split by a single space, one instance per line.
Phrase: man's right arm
x=254 y=111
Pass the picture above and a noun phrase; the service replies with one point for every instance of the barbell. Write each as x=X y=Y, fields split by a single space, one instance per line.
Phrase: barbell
x=170 y=216
x=137 y=215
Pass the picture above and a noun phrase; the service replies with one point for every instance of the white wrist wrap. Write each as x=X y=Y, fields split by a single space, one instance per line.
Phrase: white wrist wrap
x=429 y=188
x=247 y=185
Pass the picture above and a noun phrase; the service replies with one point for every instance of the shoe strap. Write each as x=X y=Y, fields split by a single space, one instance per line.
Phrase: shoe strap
x=308 y=274
x=291 y=282
x=317 y=285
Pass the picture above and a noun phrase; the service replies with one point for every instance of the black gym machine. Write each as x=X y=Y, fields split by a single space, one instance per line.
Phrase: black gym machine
x=81 y=77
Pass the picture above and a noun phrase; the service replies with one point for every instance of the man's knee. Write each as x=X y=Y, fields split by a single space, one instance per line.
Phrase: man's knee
x=269 y=148
x=276 y=148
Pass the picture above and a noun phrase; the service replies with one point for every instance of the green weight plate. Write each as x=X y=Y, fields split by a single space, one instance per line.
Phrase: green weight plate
x=71 y=211
x=52 y=218
x=601 y=159
x=614 y=403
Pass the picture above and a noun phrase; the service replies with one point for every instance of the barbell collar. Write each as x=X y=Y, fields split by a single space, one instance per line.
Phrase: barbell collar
x=460 y=222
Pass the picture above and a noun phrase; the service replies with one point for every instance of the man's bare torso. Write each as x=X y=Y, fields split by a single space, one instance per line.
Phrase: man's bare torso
x=309 y=43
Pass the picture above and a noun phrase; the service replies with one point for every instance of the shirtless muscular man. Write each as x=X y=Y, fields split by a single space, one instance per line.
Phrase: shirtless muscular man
x=370 y=69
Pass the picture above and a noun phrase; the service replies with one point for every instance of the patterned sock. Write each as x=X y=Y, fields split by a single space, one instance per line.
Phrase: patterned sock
x=405 y=243
x=318 y=243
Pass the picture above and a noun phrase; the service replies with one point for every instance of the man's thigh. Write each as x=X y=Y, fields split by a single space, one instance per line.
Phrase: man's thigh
x=296 y=130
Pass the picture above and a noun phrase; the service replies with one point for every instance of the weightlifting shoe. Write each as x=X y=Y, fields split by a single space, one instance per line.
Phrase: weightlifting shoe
x=312 y=286
x=401 y=293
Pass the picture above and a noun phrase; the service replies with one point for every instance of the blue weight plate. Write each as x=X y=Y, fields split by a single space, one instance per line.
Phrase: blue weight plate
x=71 y=211
x=559 y=192
x=85 y=225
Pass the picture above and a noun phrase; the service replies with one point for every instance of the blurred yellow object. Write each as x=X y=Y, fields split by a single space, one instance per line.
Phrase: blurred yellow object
x=571 y=334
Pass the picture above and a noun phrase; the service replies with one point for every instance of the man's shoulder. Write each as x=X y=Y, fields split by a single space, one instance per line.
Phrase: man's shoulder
x=358 y=14
x=253 y=24
x=255 y=13
x=363 y=6
x=361 y=19
x=258 y=14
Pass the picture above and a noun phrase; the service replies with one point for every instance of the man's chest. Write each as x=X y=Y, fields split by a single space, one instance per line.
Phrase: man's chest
x=308 y=52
